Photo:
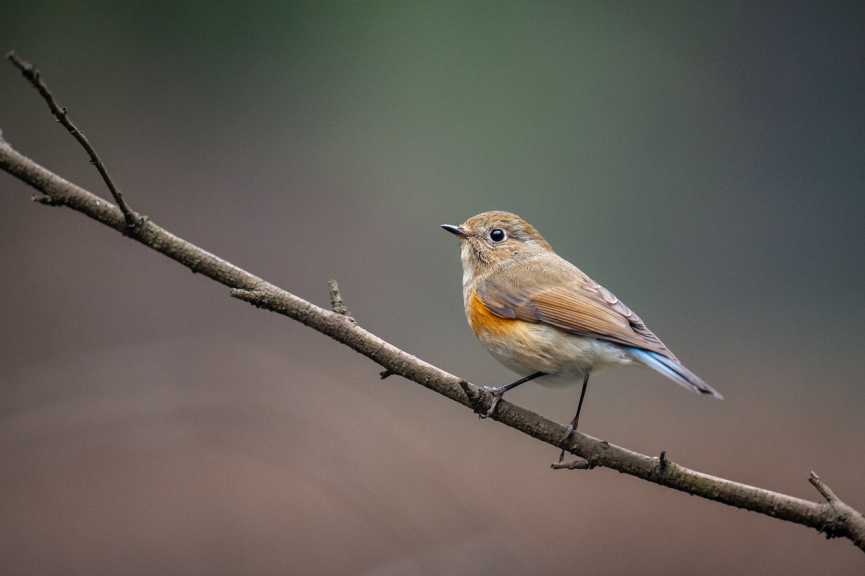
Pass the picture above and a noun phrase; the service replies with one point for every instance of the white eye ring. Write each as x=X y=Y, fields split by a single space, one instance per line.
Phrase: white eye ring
x=498 y=235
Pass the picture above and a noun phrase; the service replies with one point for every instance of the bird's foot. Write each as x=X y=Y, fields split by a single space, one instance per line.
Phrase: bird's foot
x=497 y=395
x=568 y=433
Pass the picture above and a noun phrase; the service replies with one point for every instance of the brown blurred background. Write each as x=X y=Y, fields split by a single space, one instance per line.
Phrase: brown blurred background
x=704 y=161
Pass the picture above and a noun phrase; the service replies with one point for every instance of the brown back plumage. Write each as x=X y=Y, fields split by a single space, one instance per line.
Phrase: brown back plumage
x=586 y=310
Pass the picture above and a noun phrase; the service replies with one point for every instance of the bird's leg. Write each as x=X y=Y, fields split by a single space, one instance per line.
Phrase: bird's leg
x=576 y=421
x=500 y=391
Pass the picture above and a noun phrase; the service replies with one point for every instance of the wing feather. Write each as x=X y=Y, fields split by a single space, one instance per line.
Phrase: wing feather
x=587 y=309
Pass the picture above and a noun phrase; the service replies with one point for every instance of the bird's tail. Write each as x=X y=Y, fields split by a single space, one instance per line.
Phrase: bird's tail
x=674 y=371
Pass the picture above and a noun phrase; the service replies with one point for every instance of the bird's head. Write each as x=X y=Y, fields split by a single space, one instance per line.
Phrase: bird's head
x=495 y=240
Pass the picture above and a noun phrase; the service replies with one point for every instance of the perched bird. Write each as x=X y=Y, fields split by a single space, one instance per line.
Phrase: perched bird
x=543 y=318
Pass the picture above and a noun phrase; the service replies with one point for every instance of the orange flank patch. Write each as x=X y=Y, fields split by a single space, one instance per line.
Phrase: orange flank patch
x=482 y=319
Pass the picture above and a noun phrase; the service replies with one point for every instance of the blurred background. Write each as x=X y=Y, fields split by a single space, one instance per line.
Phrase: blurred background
x=703 y=160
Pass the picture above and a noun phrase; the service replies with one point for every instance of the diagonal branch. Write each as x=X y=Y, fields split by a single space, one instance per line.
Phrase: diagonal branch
x=834 y=518
x=32 y=74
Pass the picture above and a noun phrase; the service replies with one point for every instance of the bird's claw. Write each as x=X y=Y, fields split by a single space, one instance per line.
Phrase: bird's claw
x=497 y=395
x=565 y=439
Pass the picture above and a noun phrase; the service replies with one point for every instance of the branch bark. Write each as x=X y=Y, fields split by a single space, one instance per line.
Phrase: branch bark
x=833 y=518
x=32 y=74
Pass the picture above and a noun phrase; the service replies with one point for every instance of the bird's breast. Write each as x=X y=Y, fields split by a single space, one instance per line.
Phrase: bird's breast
x=485 y=323
x=526 y=347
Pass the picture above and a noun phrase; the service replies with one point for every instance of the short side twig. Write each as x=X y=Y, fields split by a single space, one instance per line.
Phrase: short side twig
x=133 y=220
x=823 y=489
x=336 y=302
x=839 y=519
x=578 y=464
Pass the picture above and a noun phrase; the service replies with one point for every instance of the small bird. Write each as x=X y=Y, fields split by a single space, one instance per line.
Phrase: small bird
x=543 y=318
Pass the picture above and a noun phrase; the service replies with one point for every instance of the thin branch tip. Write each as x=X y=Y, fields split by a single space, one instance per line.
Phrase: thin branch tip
x=18 y=62
x=134 y=221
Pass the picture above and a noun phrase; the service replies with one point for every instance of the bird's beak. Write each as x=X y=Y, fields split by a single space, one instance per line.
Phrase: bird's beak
x=458 y=230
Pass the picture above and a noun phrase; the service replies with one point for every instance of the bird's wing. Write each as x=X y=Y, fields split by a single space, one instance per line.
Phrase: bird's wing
x=587 y=309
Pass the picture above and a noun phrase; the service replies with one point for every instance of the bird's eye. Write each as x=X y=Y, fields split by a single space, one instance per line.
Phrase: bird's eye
x=498 y=235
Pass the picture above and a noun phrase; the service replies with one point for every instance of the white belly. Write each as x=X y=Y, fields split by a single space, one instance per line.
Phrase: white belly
x=564 y=357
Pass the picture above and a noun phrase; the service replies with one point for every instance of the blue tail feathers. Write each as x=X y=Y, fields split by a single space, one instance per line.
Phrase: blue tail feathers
x=674 y=371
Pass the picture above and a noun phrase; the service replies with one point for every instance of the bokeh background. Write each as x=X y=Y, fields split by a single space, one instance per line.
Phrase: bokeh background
x=703 y=160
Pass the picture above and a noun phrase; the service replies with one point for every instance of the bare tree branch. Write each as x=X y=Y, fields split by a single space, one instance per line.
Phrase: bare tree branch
x=32 y=74
x=833 y=518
